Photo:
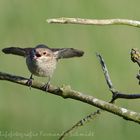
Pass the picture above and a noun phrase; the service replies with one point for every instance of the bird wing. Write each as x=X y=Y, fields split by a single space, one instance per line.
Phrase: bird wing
x=59 y=52
x=17 y=51
x=67 y=52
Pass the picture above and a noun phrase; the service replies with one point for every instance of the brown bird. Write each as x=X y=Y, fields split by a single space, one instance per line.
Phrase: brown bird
x=42 y=60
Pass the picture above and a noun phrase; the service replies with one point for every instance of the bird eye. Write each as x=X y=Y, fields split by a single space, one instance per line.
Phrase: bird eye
x=46 y=53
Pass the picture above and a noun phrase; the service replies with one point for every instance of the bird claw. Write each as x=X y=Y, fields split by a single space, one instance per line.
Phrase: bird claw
x=29 y=83
x=46 y=87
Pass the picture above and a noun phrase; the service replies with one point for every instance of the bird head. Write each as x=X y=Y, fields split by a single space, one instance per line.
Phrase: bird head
x=41 y=53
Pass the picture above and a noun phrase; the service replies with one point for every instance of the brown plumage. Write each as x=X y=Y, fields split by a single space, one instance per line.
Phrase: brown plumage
x=42 y=60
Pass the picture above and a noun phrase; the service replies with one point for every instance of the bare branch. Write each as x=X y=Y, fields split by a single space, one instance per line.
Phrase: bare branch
x=135 y=55
x=65 y=20
x=67 y=92
x=115 y=93
x=106 y=74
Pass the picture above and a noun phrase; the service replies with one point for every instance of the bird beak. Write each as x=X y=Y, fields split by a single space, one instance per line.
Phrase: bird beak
x=36 y=56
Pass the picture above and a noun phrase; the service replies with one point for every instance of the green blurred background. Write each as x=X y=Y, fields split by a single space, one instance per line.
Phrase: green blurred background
x=38 y=115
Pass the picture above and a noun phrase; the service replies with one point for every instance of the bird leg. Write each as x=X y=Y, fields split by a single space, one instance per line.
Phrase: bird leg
x=47 y=85
x=29 y=82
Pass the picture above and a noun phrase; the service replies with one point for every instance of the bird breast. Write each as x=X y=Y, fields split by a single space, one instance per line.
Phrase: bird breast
x=41 y=67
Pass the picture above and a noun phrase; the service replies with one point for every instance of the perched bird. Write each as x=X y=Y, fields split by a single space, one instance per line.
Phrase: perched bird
x=41 y=60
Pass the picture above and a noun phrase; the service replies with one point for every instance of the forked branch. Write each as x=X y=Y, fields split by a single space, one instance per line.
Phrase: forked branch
x=115 y=95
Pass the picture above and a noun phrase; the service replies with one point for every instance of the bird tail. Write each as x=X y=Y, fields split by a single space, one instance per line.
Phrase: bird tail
x=67 y=52
x=17 y=51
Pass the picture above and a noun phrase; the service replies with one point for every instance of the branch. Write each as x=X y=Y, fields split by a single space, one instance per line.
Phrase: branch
x=80 y=123
x=67 y=92
x=115 y=93
x=64 y=20
x=135 y=57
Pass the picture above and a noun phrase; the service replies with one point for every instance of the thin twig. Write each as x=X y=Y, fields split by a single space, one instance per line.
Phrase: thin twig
x=105 y=71
x=65 y=20
x=80 y=123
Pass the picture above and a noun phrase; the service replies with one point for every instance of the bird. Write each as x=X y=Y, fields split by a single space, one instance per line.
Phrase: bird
x=42 y=60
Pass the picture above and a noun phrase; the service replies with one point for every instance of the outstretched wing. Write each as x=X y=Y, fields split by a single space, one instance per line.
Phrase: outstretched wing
x=17 y=51
x=67 y=52
x=59 y=52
